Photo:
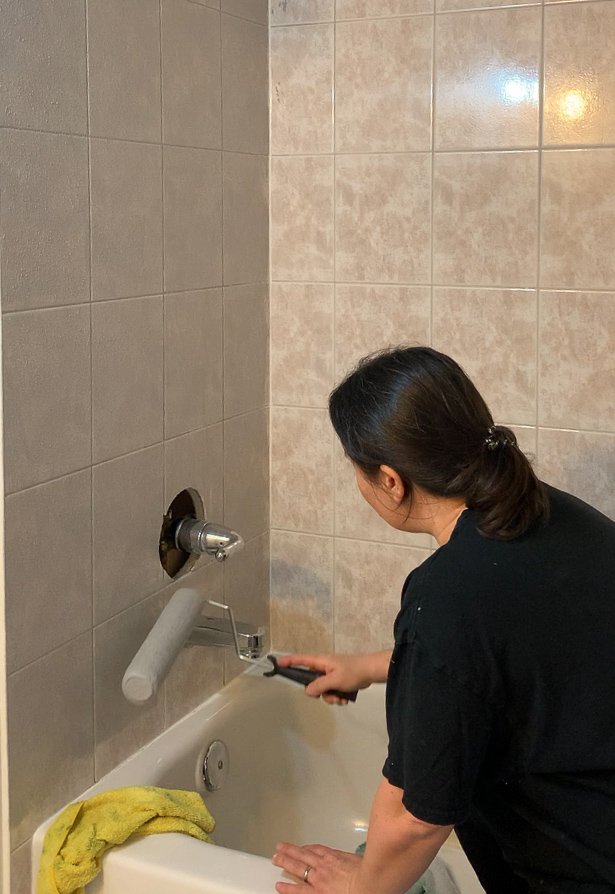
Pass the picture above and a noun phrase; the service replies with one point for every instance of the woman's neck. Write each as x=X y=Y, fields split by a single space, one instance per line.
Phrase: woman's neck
x=433 y=515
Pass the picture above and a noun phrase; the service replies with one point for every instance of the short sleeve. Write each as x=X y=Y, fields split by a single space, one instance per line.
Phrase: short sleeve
x=439 y=732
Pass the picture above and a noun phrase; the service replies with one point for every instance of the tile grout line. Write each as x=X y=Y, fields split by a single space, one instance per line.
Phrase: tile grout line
x=91 y=309
x=432 y=179
x=541 y=110
x=334 y=326
x=163 y=687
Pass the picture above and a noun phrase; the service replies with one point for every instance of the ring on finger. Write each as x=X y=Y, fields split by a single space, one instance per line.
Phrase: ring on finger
x=306 y=874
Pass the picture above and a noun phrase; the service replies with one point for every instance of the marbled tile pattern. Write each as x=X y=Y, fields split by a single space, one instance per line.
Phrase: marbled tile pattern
x=582 y=463
x=579 y=74
x=514 y=207
x=302 y=89
x=487 y=87
x=302 y=498
x=301 y=321
x=302 y=218
x=301 y=592
x=486 y=218
x=363 y=9
x=492 y=335
x=578 y=219
x=577 y=365
x=382 y=218
x=293 y=12
x=383 y=104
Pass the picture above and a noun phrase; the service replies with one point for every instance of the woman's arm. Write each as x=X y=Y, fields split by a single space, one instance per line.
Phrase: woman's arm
x=399 y=849
x=342 y=672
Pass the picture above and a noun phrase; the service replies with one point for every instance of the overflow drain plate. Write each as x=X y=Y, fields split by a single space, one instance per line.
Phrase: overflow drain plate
x=215 y=765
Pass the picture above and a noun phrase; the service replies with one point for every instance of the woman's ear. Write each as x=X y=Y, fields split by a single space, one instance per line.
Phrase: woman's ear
x=392 y=484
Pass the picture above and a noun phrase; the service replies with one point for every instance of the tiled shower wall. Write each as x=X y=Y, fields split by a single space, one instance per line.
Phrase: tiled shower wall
x=443 y=176
x=134 y=143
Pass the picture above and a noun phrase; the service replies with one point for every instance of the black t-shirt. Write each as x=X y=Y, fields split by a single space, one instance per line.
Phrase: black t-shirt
x=501 y=693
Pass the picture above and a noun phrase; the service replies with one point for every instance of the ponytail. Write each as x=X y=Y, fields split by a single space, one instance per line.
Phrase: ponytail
x=415 y=410
x=502 y=487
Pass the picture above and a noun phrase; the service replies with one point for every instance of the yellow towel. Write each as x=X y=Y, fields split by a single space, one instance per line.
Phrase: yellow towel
x=77 y=840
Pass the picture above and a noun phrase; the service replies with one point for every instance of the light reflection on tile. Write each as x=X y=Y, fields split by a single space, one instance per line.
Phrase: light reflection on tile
x=487 y=65
x=579 y=73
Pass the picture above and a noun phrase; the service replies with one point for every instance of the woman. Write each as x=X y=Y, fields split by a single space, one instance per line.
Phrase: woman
x=501 y=684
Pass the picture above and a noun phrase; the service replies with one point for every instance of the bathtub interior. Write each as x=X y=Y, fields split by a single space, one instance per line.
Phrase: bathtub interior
x=298 y=770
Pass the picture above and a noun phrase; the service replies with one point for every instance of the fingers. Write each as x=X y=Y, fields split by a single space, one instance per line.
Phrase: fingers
x=293 y=859
x=316 y=662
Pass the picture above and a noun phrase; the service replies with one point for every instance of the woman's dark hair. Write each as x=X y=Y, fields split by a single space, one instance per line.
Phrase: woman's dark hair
x=415 y=410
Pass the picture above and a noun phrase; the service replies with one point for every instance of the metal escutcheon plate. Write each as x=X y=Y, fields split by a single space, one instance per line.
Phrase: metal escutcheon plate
x=215 y=765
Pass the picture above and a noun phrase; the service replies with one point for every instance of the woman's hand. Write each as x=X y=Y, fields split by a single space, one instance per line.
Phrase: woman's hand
x=330 y=871
x=346 y=673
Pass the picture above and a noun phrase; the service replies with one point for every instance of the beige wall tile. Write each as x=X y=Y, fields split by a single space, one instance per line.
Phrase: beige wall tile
x=61 y=575
x=196 y=460
x=47 y=404
x=245 y=106
x=578 y=219
x=191 y=79
x=301 y=592
x=42 y=48
x=246 y=336
x=492 y=335
x=579 y=73
x=582 y=463
x=382 y=225
x=192 y=219
x=126 y=214
x=355 y=519
x=487 y=66
x=577 y=371
x=293 y=12
x=193 y=339
x=124 y=69
x=495 y=195
x=302 y=218
x=301 y=344
x=383 y=72
x=445 y=5
x=301 y=479
x=245 y=218
x=370 y=318
x=246 y=474
x=50 y=716
x=368 y=581
x=44 y=218
x=121 y=727
x=254 y=10
x=127 y=508
x=362 y=9
x=302 y=89
x=127 y=376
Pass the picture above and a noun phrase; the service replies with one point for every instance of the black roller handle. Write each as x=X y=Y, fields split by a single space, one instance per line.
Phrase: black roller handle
x=305 y=676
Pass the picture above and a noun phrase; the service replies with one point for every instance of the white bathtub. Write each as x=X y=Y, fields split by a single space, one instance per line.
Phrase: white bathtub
x=299 y=770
